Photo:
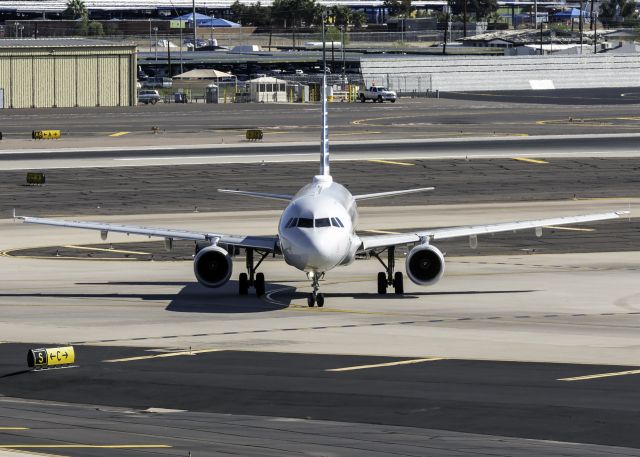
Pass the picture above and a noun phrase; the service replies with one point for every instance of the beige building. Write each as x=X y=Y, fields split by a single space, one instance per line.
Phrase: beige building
x=66 y=72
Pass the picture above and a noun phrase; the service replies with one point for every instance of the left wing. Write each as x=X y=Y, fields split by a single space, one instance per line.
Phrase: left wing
x=379 y=241
x=257 y=242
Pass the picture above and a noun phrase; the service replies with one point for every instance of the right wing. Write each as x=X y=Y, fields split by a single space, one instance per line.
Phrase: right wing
x=380 y=241
x=392 y=193
x=257 y=242
x=257 y=194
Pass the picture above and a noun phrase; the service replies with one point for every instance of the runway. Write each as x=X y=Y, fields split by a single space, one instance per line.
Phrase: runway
x=527 y=345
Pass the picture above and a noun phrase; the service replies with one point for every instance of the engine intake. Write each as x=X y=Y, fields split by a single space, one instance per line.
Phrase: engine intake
x=425 y=265
x=212 y=266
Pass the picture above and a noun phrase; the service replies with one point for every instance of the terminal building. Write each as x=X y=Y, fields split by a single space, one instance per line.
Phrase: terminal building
x=68 y=72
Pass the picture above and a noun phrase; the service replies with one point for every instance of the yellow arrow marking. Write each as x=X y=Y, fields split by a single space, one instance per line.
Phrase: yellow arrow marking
x=526 y=159
x=601 y=375
x=391 y=162
x=119 y=134
x=390 y=364
x=162 y=356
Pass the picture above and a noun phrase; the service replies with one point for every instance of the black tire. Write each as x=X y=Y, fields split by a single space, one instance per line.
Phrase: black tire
x=320 y=300
x=382 y=283
x=243 y=284
x=393 y=100
x=154 y=101
x=311 y=301
x=259 y=284
x=362 y=98
x=379 y=98
x=398 y=283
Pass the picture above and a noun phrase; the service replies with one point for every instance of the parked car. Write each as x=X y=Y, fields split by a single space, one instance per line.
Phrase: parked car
x=157 y=81
x=377 y=94
x=148 y=96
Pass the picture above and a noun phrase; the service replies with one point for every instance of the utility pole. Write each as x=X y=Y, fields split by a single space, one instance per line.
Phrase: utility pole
x=195 y=27
x=580 y=25
x=535 y=14
x=591 y=21
x=464 y=18
x=595 y=35
x=446 y=28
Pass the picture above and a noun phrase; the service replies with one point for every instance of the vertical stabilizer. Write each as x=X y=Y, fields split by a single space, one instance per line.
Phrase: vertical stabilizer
x=324 y=140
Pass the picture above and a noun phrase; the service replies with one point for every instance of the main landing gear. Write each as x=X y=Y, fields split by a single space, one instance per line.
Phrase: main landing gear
x=389 y=277
x=315 y=298
x=251 y=278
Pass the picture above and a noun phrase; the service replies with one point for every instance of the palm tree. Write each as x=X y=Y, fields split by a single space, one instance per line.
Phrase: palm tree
x=76 y=9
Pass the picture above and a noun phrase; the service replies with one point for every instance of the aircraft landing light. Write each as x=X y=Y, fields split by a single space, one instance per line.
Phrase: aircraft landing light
x=526 y=159
x=389 y=364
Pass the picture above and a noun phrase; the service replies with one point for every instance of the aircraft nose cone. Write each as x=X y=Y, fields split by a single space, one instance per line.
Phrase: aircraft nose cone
x=325 y=249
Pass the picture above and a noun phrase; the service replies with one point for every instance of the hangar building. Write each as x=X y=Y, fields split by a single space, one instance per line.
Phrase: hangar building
x=68 y=72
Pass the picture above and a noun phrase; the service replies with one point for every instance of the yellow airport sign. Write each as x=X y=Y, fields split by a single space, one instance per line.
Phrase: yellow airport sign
x=45 y=134
x=50 y=357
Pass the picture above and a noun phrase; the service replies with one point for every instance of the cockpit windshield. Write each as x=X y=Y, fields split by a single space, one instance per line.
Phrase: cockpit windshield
x=304 y=222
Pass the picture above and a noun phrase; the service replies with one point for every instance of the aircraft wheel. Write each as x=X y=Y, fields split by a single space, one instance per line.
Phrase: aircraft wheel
x=398 y=283
x=320 y=300
x=311 y=301
x=243 y=284
x=259 y=285
x=382 y=282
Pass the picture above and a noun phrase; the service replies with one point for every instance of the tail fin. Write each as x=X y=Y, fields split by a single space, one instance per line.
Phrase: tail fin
x=324 y=141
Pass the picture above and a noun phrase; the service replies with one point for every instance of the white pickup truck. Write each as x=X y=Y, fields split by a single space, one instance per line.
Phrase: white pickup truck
x=377 y=94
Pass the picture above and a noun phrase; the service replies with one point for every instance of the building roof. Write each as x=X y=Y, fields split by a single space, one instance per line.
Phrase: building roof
x=203 y=74
x=58 y=43
x=267 y=80
x=521 y=37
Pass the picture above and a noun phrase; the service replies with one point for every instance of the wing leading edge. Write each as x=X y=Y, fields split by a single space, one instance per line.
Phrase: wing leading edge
x=257 y=242
x=378 y=241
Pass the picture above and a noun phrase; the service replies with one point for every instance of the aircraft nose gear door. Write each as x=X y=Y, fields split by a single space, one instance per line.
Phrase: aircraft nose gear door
x=315 y=297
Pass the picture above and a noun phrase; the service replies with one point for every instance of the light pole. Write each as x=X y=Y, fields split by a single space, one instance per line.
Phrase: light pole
x=150 y=40
x=16 y=25
x=344 y=78
x=21 y=28
x=155 y=30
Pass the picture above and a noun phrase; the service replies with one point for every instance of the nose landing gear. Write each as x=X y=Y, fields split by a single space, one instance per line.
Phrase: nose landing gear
x=315 y=297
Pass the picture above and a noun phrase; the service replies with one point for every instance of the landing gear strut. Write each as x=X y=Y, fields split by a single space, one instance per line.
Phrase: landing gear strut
x=315 y=297
x=251 y=278
x=389 y=277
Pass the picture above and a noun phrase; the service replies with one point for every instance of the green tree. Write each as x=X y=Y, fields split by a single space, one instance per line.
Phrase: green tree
x=95 y=28
x=618 y=12
x=358 y=19
x=341 y=15
x=398 y=7
x=254 y=14
x=296 y=13
x=76 y=9
x=480 y=8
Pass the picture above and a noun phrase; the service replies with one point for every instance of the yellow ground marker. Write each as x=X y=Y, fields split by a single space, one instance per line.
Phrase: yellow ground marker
x=14 y=428
x=84 y=446
x=119 y=134
x=119 y=251
x=526 y=159
x=391 y=162
x=573 y=229
x=162 y=356
x=601 y=375
x=390 y=364
x=382 y=232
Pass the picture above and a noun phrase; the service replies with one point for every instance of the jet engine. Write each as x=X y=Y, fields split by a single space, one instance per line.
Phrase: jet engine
x=425 y=265
x=212 y=266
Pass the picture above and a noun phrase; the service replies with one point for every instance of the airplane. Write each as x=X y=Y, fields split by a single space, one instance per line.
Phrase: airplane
x=317 y=233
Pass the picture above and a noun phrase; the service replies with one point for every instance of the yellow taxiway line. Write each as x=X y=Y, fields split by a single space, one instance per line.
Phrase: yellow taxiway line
x=389 y=364
x=382 y=232
x=119 y=134
x=601 y=375
x=391 y=162
x=118 y=251
x=84 y=446
x=162 y=356
x=526 y=159
x=14 y=428
x=573 y=229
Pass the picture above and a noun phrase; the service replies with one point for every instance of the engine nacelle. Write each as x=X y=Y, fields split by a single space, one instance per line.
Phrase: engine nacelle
x=212 y=266
x=425 y=265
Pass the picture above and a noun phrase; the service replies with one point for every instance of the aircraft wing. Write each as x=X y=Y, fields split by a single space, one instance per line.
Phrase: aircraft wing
x=386 y=240
x=256 y=242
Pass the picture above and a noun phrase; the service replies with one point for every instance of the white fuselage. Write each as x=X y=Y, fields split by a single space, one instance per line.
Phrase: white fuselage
x=317 y=229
